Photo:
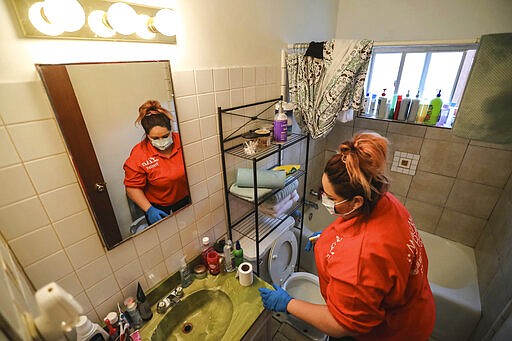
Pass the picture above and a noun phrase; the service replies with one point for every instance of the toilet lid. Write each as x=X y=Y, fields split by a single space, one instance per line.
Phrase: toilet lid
x=282 y=258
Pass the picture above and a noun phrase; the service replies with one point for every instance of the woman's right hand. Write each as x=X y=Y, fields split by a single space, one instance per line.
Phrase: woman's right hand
x=154 y=214
x=312 y=240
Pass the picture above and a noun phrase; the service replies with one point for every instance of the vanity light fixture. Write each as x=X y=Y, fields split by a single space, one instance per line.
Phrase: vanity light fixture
x=96 y=20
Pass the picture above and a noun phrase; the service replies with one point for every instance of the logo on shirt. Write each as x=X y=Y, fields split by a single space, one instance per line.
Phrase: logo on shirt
x=150 y=163
x=333 y=247
x=414 y=245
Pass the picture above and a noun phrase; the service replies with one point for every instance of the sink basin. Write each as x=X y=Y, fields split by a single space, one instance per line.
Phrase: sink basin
x=203 y=315
x=212 y=308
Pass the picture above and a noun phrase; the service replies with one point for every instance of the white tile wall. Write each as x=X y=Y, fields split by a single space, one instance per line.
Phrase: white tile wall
x=43 y=213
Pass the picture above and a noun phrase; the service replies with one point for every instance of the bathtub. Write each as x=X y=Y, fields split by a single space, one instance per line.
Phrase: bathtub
x=451 y=273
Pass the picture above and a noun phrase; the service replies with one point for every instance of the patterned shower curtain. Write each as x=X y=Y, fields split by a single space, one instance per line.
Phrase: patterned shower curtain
x=324 y=90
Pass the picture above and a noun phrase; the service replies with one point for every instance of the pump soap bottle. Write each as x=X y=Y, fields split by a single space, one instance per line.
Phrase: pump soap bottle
x=238 y=254
x=404 y=107
x=280 y=125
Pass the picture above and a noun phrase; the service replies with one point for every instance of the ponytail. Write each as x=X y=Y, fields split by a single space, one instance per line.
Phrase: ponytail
x=358 y=169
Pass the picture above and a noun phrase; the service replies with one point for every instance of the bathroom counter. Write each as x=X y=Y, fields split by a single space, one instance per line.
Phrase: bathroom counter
x=245 y=302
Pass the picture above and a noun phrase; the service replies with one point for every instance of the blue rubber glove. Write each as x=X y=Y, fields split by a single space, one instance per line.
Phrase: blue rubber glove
x=154 y=214
x=275 y=300
x=311 y=244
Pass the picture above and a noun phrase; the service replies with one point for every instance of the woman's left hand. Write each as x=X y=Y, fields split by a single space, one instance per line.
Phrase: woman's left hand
x=275 y=300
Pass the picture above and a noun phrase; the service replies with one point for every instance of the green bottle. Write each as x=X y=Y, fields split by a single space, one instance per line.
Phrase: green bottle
x=238 y=254
x=434 y=109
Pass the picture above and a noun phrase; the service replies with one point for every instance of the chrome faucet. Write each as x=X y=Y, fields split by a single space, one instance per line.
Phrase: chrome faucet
x=170 y=301
x=311 y=204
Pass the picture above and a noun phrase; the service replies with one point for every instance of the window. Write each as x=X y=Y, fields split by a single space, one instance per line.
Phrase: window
x=422 y=71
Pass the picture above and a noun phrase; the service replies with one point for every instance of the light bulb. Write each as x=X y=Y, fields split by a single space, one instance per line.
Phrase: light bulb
x=142 y=27
x=68 y=14
x=35 y=15
x=121 y=17
x=165 y=22
x=97 y=25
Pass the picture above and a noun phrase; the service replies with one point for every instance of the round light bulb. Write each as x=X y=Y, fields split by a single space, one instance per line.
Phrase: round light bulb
x=35 y=15
x=121 y=17
x=68 y=14
x=142 y=27
x=165 y=22
x=95 y=21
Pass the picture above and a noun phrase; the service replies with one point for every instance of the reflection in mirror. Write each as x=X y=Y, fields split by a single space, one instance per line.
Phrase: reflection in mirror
x=120 y=125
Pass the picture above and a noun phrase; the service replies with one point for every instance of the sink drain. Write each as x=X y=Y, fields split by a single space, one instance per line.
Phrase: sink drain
x=187 y=328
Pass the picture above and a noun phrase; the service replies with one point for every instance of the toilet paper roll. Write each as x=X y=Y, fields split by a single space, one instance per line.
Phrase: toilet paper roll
x=245 y=274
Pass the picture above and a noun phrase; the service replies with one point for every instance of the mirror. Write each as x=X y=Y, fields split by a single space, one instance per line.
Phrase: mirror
x=124 y=168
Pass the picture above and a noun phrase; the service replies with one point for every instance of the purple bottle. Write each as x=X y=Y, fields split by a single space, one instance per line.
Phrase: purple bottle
x=280 y=125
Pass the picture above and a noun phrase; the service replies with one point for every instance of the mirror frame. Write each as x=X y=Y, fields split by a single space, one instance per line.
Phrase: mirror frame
x=69 y=117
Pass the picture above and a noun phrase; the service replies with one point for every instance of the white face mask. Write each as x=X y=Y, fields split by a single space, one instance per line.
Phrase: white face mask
x=163 y=143
x=330 y=204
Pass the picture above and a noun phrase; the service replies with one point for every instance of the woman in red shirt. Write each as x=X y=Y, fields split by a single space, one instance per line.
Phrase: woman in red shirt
x=155 y=177
x=371 y=262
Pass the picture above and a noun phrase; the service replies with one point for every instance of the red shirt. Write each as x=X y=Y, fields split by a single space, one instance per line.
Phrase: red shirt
x=373 y=275
x=161 y=177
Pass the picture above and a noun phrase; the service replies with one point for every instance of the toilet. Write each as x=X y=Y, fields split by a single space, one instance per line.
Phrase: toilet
x=278 y=257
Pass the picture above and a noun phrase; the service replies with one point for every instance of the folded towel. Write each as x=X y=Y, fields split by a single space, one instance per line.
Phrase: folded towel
x=277 y=206
x=266 y=178
x=284 y=207
x=282 y=194
x=248 y=192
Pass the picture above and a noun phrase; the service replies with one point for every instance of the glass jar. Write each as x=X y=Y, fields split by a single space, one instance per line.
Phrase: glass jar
x=264 y=138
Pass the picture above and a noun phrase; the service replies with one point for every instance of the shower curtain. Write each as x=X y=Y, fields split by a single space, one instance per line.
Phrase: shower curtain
x=324 y=90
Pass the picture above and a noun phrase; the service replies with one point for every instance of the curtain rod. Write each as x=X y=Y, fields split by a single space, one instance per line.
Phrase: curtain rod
x=406 y=42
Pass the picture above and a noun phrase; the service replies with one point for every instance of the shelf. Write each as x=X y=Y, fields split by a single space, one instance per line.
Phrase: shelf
x=289 y=179
x=274 y=148
x=266 y=225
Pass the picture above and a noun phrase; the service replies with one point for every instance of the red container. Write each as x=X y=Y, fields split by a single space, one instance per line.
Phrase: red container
x=213 y=262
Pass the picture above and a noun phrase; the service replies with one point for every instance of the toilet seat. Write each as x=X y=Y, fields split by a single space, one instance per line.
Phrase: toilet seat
x=282 y=258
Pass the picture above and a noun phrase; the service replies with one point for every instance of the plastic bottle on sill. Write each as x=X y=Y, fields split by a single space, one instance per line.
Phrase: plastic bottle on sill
x=382 y=105
x=371 y=112
x=366 y=105
x=404 y=107
x=413 y=109
x=398 y=105
x=434 y=109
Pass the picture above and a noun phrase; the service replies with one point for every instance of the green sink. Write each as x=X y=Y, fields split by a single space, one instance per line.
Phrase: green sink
x=213 y=308
x=203 y=315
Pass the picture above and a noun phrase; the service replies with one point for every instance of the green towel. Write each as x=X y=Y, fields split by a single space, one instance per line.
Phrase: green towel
x=248 y=192
x=266 y=178
x=486 y=107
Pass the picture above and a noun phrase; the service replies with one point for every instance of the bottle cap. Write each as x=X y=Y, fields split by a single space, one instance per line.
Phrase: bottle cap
x=131 y=306
x=439 y=93
x=112 y=317
x=237 y=245
x=384 y=92
x=206 y=240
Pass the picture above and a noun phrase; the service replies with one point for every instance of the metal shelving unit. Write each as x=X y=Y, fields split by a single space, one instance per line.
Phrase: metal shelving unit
x=252 y=224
